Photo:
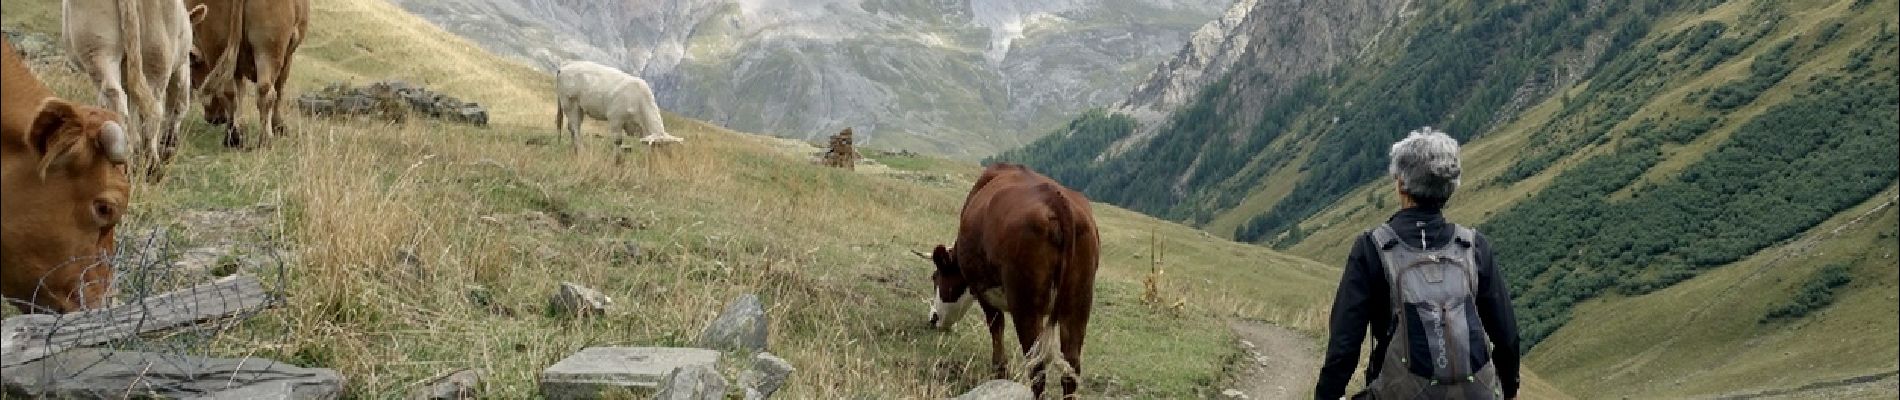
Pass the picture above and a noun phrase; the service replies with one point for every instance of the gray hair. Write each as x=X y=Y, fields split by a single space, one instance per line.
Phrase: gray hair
x=1427 y=161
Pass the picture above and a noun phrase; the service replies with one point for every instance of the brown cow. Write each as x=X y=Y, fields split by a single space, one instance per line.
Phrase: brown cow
x=63 y=172
x=1026 y=246
x=240 y=41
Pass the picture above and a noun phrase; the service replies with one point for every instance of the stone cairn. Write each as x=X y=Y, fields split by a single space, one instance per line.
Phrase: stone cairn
x=391 y=101
x=841 y=154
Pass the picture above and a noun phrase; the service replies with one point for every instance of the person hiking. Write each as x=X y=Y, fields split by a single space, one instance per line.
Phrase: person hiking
x=1438 y=307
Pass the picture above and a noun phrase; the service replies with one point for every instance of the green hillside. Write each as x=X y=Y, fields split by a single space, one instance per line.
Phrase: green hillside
x=1714 y=334
x=1708 y=154
x=401 y=233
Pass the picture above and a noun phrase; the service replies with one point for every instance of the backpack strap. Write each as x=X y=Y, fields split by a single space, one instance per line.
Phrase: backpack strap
x=1467 y=241
x=1386 y=241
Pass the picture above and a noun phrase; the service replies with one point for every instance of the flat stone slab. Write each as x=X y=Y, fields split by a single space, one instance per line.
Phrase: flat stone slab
x=586 y=373
x=107 y=374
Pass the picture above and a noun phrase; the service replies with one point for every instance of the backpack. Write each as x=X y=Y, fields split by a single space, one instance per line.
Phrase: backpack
x=1438 y=348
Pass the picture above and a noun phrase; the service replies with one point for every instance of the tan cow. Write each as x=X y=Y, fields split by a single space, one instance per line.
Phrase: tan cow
x=136 y=50
x=240 y=41
x=62 y=169
x=1028 y=247
x=588 y=90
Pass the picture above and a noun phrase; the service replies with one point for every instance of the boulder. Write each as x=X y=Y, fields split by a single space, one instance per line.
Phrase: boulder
x=741 y=326
x=575 y=300
x=458 y=385
x=107 y=374
x=587 y=373
x=692 y=382
x=767 y=375
x=999 y=389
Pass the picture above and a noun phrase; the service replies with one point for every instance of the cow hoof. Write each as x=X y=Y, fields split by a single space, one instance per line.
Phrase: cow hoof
x=232 y=142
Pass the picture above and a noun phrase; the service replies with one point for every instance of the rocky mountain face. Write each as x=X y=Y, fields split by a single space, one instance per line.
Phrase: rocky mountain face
x=1305 y=37
x=964 y=78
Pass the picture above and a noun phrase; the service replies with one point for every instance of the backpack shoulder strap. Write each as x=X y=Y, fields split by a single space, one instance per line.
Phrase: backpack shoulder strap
x=1384 y=237
x=1386 y=242
x=1467 y=241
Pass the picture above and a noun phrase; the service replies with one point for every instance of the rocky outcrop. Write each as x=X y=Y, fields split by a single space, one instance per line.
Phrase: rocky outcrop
x=1210 y=52
x=392 y=101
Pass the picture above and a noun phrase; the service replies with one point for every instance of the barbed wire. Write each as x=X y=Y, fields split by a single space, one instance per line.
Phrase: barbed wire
x=150 y=266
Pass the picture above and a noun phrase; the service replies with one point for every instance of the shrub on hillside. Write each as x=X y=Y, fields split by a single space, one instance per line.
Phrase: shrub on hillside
x=1816 y=294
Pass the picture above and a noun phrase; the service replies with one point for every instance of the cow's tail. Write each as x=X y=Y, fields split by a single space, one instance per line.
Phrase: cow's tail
x=224 y=70
x=132 y=67
x=1067 y=238
x=560 y=107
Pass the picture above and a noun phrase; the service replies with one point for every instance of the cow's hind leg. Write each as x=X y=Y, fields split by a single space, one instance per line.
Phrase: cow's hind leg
x=1074 y=324
x=103 y=68
x=177 y=101
x=267 y=92
x=1028 y=332
x=224 y=109
x=574 y=119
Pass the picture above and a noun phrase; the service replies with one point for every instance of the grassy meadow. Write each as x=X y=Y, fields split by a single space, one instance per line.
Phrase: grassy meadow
x=483 y=210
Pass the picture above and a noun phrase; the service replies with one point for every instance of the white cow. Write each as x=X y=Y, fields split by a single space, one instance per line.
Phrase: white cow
x=588 y=90
x=136 y=50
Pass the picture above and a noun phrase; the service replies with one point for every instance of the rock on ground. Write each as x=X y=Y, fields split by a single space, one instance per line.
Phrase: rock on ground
x=741 y=326
x=454 y=386
x=107 y=374
x=999 y=389
x=767 y=375
x=572 y=299
x=586 y=373
x=693 y=382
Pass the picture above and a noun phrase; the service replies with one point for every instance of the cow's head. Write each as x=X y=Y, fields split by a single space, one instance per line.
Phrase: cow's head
x=60 y=215
x=953 y=293
x=218 y=99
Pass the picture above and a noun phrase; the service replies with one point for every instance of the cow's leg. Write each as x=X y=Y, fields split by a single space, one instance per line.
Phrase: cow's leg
x=177 y=101
x=574 y=119
x=224 y=109
x=103 y=68
x=157 y=126
x=1028 y=330
x=620 y=129
x=267 y=92
x=999 y=360
x=282 y=76
x=1073 y=321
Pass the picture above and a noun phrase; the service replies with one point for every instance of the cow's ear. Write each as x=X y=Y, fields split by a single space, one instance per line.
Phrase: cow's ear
x=941 y=256
x=54 y=114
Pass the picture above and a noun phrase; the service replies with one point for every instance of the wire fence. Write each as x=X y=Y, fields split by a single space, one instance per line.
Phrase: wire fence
x=175 y=326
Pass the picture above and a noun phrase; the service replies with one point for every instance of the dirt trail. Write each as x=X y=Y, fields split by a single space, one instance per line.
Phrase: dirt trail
x=1278 y=363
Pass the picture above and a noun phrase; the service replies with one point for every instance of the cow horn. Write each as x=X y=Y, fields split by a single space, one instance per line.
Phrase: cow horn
x=112 y=138
x=921 y=254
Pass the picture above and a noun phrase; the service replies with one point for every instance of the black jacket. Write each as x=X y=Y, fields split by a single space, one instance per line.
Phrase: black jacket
x=1363 y=298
